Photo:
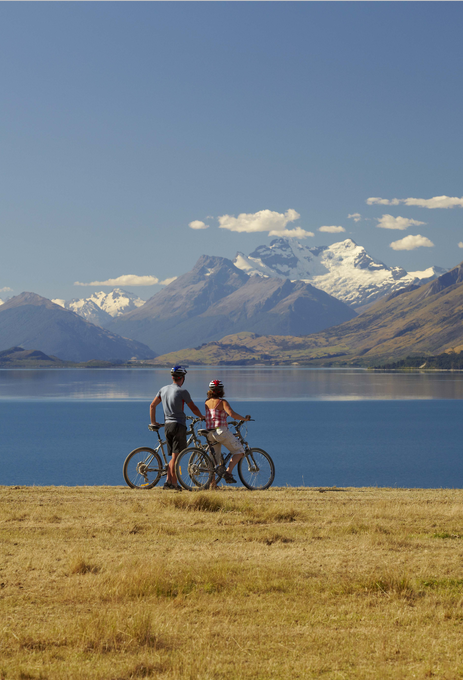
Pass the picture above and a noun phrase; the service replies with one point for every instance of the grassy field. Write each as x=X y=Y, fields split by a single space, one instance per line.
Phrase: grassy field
x=106 y=582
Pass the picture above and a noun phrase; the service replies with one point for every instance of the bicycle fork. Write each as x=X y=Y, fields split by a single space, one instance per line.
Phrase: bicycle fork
x=252 y=465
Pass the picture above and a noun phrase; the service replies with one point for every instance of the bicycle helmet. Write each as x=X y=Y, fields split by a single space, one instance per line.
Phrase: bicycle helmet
x=178 y=371
x=215 y=385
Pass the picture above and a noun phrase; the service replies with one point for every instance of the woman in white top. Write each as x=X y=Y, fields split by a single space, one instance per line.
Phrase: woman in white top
x=217 y=411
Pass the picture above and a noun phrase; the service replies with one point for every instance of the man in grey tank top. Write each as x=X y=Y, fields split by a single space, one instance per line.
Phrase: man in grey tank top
x=173 y=398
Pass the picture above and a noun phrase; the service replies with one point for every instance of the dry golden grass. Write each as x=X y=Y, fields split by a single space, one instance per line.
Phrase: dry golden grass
x=117 y=584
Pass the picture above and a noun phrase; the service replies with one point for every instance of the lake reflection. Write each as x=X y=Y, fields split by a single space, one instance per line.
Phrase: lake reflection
x=254 y=383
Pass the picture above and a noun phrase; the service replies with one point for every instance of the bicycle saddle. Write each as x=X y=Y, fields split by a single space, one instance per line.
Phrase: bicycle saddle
x=154 y=428
x=203 y=433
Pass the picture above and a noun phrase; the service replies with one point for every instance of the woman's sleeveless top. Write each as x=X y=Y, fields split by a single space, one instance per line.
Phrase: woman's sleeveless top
x=215 y=417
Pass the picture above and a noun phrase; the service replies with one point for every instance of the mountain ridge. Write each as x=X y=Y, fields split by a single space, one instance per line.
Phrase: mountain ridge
x=425 y=320
x=99 y=308
x=216 y=297
x=344 y=270
x=34 y=322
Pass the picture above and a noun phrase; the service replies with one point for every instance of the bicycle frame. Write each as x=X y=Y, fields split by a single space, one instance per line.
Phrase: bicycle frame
x=192 y=440
x=237 y=424
x=219 y=468
x=146 y=465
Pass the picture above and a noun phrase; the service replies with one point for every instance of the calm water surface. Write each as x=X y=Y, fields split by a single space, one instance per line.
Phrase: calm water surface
x=275 y=384
x=323 y=427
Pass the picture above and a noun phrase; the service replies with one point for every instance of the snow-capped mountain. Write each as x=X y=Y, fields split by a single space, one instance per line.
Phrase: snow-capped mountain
x=216 y=298
x=100 y=307
x=344 y=269
x=33 y=322
x=116 y=302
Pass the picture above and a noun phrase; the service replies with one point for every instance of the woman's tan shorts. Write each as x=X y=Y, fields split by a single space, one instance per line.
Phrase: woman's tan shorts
x=223 y=436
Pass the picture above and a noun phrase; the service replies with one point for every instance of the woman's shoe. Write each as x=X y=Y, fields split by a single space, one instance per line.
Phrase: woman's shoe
x=228 y=477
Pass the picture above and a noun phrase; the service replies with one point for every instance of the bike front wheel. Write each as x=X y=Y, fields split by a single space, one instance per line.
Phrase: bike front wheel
x=194 y=469
x=256 y=470
x=142 y=468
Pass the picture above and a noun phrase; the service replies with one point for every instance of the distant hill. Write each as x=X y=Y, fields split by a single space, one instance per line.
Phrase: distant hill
x=424 y=320
x=344 y=269
x=30 y=357
x=33 y=322
x=17 y=357
x=217 y=298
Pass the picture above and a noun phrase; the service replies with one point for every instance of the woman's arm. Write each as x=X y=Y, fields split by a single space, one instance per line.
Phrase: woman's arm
x=233 y=414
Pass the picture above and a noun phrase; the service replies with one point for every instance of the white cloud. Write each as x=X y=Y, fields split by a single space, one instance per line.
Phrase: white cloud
x=460 y=245
x=167 y=281
x=59 y=301
x=390 y=222
x=264 y=220
x=412 y=242
x=431 y=203
x=355 y=216
x=382 y=201
x=197 y=224
x=5 y=290
x=125 y=280
x=297 y=232
x=332 y=230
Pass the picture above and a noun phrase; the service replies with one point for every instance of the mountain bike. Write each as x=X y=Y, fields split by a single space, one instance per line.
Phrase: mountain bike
x=197 y=467
x=143 y=467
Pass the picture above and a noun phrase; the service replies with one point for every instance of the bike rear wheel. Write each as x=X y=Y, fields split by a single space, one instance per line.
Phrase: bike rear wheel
x=194 y=469
x=142 y=468
x=256 y=470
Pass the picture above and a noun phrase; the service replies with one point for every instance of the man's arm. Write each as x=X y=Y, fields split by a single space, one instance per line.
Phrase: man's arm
x=233 y=414
x=156 y=401
x=192 y=406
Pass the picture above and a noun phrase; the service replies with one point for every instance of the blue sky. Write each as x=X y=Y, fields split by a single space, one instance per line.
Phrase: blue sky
x=122 y=123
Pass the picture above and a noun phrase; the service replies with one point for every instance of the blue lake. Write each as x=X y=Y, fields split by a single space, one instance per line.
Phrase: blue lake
x=323 y=427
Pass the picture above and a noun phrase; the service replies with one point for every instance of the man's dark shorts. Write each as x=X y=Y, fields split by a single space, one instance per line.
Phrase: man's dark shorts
x=175 y=437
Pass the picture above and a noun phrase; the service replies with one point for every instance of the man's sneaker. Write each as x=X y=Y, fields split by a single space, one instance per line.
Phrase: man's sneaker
x=228 y=477
x=175 y=487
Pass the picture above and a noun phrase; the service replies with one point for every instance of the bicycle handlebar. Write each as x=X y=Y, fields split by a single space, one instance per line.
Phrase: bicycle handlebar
x=235 y=423
x=155 y=428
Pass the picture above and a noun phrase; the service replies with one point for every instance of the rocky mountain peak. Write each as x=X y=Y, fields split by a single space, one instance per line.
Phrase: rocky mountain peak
x=116 y=302
x=100 y=307
x=343 y=269
x=27 y=298
x=446 y=280
x=220 y=268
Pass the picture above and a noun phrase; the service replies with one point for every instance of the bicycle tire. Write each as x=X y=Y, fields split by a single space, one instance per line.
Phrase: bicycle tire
x=260 y=478
x=139 y=477
x=194 y=469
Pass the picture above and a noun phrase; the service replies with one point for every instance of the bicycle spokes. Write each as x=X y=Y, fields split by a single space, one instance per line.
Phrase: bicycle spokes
x=194 y=469
x=252 y=465
x=142 y=468
x=256 y=469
